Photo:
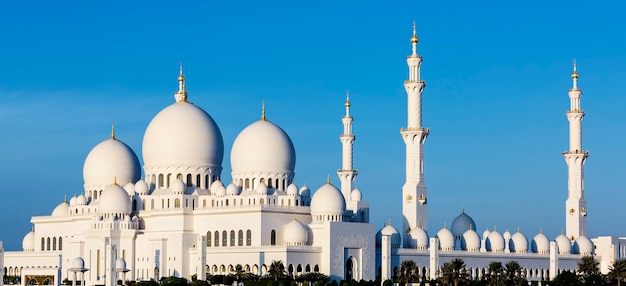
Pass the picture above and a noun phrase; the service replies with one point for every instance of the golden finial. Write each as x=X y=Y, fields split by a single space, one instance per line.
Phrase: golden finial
x=444 y=226
x=471 y=228
x=518 y=229
x=389 y=222
x=540 y=230
x=328 y=180
x=263 y=111
x=575 y=73
x=494 y=228
x=414 y=39
x=181 y=77
x=115 y=180
x=65 y=199
x=113 y=130
x=347 y=98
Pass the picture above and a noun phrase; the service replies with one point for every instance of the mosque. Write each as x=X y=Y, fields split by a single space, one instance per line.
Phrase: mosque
x=183 y=219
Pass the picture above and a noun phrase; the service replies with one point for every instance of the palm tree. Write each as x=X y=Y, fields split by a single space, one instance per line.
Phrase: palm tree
x=408 y=272
x=276 y=270
x=239 y=273
x=514 y=274
x=495 y=276
x=454 y=273
x=588 y=266
x=618 y=271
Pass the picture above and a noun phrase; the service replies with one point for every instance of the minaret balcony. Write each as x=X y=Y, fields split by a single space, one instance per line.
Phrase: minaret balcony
x=575 y=111
x=576 y=152
x=423 y=82
x=415 y=129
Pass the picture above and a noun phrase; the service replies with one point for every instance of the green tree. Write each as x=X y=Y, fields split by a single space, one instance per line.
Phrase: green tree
x=408 y=272
x=495 y=274
x=617 y=271
x=454 y=273
x=566 y=278
x=239 y=273
x=276 y=270
x=514 y=274
x=589 y=269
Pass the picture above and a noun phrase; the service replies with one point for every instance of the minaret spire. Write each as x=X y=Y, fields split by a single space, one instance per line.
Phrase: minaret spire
x=113 y=130
x=181 y=94
x=347 y=174
x=263 y=111
x=414 y=190
x=575 y=157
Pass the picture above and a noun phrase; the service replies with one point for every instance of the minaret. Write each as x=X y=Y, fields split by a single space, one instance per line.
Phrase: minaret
x=347 y=174
x=575 y=206
x=414 y=192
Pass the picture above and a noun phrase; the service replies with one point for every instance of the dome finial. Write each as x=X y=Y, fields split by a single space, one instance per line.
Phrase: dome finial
x=263 y=110
x=444 y=225
x=328 y=180
x=115 y=180
x=65 y=199
x=414 y=39
x=113 y=130
x=575 y=76
x=518 y=229
x=389 y=222
x=540 y=230
x=181 y=94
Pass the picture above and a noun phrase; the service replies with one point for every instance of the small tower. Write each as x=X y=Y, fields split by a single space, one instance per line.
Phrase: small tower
x=347 y=174
x=575 y=206
x=414 y=191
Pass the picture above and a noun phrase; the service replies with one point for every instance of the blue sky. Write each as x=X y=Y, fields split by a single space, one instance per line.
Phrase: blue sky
x=497 y=77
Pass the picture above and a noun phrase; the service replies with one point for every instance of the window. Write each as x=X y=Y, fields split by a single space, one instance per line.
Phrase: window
x=208 y=238
x=232 y=238
x=189 y=181
x=224 y=239
x=176 y=203
x=60 y=243
x=54 y=243
x=248 y=238
x=160 y=180
x=43 y=243
x=48 y=243
x=240 y=238
x=217 y=239
x=151 y=204
x=273 y=237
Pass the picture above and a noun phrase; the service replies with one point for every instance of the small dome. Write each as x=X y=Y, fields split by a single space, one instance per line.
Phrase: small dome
x=216 y=185
x=507 y=235
x=262 y=147
x=81 y=200
x=261 y=189
x=120 y=265
x=110 y=161
x=540 y=244
x=418 y=238
x=518 y=243
x=389 y=230
x=305 y=192
x=470 y=241
x=182 y=134
x=63 y=209
x=486 y=233
x=73 y=201
x=232 y=190
x=130 y=189
x=565 y=246
x=495 y=242
x=583 y=246
x=177 y=187
x=295 y=233
x=78 y=263
x=328 y=200
x=446 y=239
x=356 y=195
x=114 y=199
x=141 y=187
x=28 y=243
x=292 y=190
x=461 y=224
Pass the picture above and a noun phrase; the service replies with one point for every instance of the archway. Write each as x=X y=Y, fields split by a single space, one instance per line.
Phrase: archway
x=351 y=269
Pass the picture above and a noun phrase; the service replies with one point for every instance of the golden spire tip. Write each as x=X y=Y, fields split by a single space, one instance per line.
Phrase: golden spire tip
x=263 y=110
x=113 y=130
x=115 y=180
x=328 y=180
x=575 y=72
x=65 y=199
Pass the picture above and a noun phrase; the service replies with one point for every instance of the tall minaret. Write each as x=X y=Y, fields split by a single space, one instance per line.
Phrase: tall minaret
x=575 y=206
x=346 y=174
x=414 y=192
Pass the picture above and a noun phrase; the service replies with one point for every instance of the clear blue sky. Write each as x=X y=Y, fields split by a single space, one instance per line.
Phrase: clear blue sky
x=497 y=79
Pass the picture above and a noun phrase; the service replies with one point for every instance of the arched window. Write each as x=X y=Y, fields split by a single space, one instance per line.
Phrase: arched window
x=224 y=238
x=247 y=184
x=152 y=204
x=168 y=203
x=248 y=237
x=95 y=195
x=60 y=243
x=206 y=182
x=208 y=238
x=198 y=180
x=54 y=243
x=316 y=269
x=143 y=204
x=43 y=243
x=189 y=181
x=273 y=237
x=307 y=269
x=278 y=187
x=134 y=205
x=232 y=238
x=269 y=183
x=48 y=243
x=217 y=239
x=160 y=180
x=176 y=203
x=240 y=238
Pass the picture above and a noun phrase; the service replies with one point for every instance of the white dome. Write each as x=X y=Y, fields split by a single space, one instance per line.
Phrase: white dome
x=261 y=189
x=232 y=190
x=78 y=263
x=183 y=134
x=63 y=209
x=292 y=190
x=305 y=192
x=28 y=243
x=120 y=265
x=130 y=189
x=81 y=200
x=356 y=195
x=583 y=246
x=540 y=244
x=495 y=242
x=518 y=243
x=461 y=224
x=73 y=201
x=506 y=235
x=486 y=233
x=115 y=200
x=446 y=239
x=218 y=189
x=328 y=200
x=110 y=161
x=470 y=241
x=141 y=187
x=177 y=187
x=418 y=238
x=565 y=246
x=295 y=233
x=389 y=230
x=262 y=148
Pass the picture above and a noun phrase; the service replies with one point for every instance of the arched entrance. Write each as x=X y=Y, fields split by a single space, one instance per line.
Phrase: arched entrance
x=351 y=269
